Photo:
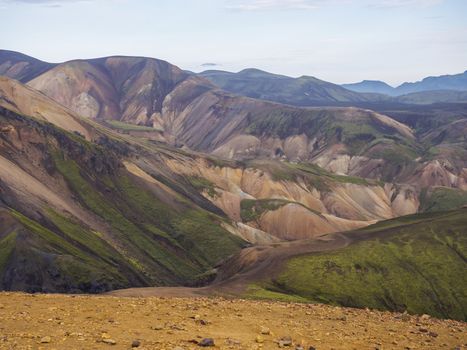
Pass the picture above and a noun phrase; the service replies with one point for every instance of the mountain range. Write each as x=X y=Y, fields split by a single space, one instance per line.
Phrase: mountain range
x=123 y=172
x=310 y=91
x=456 y=82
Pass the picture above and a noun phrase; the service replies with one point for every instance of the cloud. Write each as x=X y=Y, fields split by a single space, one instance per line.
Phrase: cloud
x=45 y=3
x=403 y=3
x=260 y=5
x=210 y=64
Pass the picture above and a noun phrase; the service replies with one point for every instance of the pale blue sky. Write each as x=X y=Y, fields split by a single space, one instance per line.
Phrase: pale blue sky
x=335 y=40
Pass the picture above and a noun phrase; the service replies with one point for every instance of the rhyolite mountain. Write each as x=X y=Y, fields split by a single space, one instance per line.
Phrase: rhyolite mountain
x=189 y=111
x=84 y=208
x=127 y=171
x=21 y=67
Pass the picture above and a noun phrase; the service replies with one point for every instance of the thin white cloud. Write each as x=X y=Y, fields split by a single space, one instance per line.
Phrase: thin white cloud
x=403 y=3
x=260 y=5
x=45 y=3
x=263 y=5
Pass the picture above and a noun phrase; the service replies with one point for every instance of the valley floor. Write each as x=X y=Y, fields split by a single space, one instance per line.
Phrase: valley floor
x=101 y=322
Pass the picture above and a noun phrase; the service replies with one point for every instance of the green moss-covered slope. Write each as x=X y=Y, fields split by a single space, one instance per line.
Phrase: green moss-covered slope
x=414 y=263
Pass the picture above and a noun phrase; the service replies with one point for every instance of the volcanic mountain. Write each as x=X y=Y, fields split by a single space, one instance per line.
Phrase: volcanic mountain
x=188 y=111
x=75 y=193
x=128 y=172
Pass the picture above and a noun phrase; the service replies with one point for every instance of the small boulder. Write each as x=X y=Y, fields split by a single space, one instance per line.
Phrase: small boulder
x=46 y=340
x=206 y=342
x=135 y=344
x=285 y=341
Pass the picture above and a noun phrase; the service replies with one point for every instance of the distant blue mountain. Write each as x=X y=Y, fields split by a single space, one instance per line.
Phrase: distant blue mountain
x=373 y=86
x=456 y=82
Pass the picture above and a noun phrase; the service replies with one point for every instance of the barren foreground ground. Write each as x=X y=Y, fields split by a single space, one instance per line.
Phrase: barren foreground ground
x=105 y=322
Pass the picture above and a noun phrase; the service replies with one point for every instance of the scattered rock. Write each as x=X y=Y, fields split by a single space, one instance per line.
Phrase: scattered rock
x=285 y=341
x=46 y=340
x=423 y=330
x=135 y=344
x=405 y=317
x=230 y=341
x=265 y=330
x=206 y=342
x=433 y=334
x=109 y=341
x=259 y=339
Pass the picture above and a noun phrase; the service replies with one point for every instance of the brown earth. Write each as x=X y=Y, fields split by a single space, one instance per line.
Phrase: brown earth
x=102 y=322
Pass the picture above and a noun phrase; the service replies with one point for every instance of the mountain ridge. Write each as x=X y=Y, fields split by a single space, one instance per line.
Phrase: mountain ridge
x=134 y=164
x=453 y=82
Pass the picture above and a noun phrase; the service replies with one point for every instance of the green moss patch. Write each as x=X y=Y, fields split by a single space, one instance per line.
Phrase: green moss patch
x=415 y=264
x=443 y=198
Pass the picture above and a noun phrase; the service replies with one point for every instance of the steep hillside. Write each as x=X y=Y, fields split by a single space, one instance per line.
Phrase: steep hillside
x=74 y=217
x=21 y=99
x=414 y=263
x=118 y=88
x=279 y=200
x=21 y=67
x=303 y=91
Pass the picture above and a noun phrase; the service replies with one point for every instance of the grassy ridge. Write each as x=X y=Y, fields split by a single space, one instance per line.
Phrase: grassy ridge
x=129 y=127
x=415 y=263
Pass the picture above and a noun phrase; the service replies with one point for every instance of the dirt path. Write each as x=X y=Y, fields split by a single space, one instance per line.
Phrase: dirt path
x=103 y=322
x=250 y=265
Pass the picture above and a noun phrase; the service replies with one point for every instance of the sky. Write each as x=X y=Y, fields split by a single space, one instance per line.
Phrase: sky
x=341 y=41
